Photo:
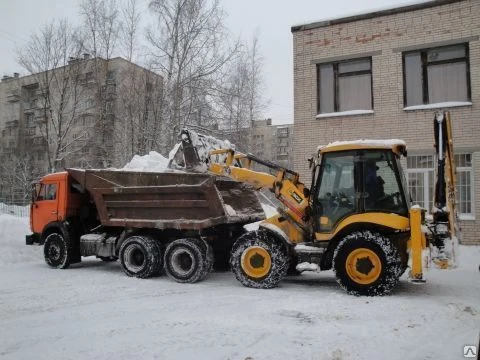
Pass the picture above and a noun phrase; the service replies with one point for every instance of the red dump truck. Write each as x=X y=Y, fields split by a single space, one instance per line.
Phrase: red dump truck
x=174 y=221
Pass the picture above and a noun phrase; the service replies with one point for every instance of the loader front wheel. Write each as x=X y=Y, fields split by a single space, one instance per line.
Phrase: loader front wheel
x=259 y=260
x=188 y=260
x=140 y=257
x=367 y=263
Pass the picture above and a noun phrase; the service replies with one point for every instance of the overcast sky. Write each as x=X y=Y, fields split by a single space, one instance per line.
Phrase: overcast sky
x=271 y=18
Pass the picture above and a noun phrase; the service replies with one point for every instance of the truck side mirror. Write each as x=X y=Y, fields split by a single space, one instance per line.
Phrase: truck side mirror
x=34 y=192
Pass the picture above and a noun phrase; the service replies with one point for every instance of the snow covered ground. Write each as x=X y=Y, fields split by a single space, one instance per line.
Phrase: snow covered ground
x=94 y=311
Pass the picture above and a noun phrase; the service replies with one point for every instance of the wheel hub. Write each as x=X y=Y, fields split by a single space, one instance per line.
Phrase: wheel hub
x=135 y=258
x=363 y=266
x=182 y=261
x=256 y=262
x=54 y=252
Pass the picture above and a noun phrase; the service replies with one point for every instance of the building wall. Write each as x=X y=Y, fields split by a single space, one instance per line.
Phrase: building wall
x=273 y=142
x=95 y=114
x=384 y=37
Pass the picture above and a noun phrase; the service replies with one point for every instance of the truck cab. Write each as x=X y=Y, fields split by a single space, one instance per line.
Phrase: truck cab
x=55 y=198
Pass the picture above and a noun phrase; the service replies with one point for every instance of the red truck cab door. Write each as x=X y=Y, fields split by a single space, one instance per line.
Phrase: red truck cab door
x=45 y=207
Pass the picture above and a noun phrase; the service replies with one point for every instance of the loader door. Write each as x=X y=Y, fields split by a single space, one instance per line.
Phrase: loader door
x=382 y=183
x=337 y=184
x=45 y=206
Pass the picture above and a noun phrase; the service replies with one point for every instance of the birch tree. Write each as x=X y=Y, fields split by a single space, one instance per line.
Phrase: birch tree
x=52 y=56
x=188 y=43
x=242 y=99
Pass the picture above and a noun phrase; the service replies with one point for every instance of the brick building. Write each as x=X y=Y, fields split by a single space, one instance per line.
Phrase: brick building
x=383 y=75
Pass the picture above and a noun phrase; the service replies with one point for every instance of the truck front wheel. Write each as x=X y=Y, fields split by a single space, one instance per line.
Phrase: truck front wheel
x=188 y=260
x=56 y=251
x=140 y=257
x=259 y=260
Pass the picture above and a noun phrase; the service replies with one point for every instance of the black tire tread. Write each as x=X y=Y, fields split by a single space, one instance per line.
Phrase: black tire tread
x=152 y=253
x=383 y=247
x=278 y=254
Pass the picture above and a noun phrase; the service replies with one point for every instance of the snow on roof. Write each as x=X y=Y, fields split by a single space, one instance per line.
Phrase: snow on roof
x=387 y=144
x=378 y=11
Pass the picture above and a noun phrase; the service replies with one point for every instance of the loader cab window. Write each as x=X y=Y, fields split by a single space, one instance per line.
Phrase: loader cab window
x=47 y=192
x=382 y=183
x=336 y=193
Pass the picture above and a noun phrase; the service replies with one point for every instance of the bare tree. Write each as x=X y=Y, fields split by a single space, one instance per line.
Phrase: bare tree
x=16 y=175
x=52 y=56
x=102 y=23
x=241 y=98
x=189 y=43
x=129 y=29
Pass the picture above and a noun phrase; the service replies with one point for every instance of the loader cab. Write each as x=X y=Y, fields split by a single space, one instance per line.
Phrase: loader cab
x=356 y=179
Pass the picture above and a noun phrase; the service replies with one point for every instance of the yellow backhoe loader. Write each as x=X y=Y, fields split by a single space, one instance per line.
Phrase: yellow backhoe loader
x=356 y=218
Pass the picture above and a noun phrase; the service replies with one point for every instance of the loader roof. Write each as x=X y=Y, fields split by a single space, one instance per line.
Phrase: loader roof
x=397 y=146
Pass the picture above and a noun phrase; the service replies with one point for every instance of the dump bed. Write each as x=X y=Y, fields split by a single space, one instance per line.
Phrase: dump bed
x=172 y=200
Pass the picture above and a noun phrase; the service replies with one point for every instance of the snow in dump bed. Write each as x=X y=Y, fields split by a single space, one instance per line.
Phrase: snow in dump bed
x=94 y=311
x=152 y=162
x=387 y=144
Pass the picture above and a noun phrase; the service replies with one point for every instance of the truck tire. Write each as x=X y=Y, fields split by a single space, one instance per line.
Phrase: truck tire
x=188 y=260
x=57 y=251
x=259 y=260
x=140 y=257
x=367 y=263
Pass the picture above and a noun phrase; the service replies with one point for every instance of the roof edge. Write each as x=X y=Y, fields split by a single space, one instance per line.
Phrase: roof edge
x=373 y=14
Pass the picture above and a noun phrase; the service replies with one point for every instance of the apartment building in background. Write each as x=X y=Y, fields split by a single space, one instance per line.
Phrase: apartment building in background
x=383 y=75
x=272 y=142
x=89 y=113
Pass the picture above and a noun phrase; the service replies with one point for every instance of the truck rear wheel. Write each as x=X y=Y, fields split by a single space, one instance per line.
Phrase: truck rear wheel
x=259 y=260
x=140 y=257
x=366 y=263
x=56 y=251
x=188 y=260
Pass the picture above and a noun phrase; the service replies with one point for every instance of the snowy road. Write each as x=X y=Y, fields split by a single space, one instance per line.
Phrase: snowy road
x=93 y=310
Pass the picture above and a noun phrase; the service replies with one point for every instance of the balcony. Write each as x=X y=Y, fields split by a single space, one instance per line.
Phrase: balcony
x=30 y=131
x=13 y=97
x=11 y=124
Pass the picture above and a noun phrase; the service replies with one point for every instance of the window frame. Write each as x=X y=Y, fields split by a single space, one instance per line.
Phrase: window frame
x=430 y=172
x=337 y=75
x=425 y=63
x=465 y=169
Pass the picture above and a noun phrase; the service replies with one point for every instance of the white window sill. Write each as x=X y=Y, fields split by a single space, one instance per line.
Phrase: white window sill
x=345 y=113
x=465 y=217
x=438 y=105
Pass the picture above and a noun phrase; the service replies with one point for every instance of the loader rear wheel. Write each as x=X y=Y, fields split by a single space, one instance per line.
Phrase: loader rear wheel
x=188 y=260
x=140 y=257
x=57 y=251
x=367 y=263
x=259 y=260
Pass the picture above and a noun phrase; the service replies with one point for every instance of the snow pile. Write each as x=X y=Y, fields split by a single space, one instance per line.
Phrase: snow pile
x=12 y=241
x=152 y=162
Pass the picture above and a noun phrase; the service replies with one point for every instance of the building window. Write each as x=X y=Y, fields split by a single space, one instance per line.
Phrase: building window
x=282 y=132
x=464 y=186
x=30 y=120
x=436 y=75
x=344 y=86
x=421 y=178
